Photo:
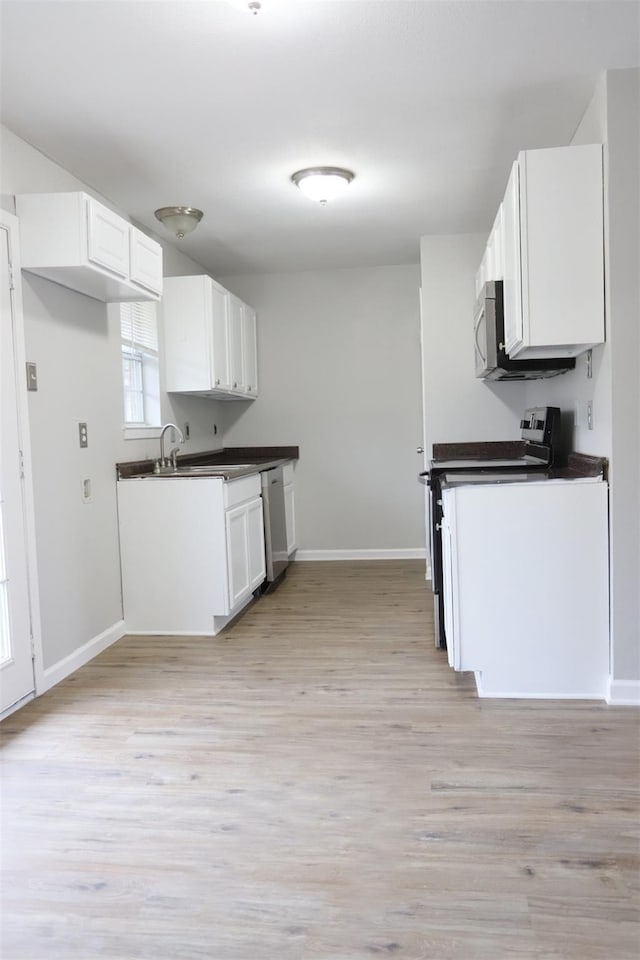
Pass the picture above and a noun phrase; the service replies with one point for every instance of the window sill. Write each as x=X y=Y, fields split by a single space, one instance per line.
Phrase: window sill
x=141 y=433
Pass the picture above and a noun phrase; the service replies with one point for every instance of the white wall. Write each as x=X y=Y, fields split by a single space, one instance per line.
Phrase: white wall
x=457 y=406
x=340 y=377
x=623 y=127
x=75 y=342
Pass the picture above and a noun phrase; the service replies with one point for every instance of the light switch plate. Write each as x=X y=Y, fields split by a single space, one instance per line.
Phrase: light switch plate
x=32 y=376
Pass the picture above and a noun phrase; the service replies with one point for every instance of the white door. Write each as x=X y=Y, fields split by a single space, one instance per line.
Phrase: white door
x=16 y=664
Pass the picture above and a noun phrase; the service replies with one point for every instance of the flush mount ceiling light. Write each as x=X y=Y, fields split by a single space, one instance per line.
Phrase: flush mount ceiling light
x=322 y=183
x=179 y=220
x=253 y=6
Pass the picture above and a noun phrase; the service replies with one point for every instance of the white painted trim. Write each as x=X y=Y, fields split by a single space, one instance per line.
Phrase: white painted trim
x=12 y=225
x=406 y=553
x=623 y=693
x=511 y=695
x=16 y=706
x=63 y=668
x=141 y=433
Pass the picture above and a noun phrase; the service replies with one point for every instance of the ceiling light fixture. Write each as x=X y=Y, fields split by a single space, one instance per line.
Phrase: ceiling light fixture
x=179 y=220
x=253 y=6
x=322 y=183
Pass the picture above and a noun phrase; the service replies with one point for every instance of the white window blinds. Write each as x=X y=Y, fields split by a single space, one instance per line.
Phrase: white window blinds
x=139 y=327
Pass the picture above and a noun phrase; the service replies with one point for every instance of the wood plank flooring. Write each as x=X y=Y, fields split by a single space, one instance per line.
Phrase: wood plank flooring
x=315 y=784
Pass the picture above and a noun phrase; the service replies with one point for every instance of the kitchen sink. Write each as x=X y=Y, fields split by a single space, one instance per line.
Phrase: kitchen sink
x=203 y=470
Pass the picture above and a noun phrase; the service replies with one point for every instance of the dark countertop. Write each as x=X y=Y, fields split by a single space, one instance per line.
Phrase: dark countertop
x=580 y=466
x=256 y=458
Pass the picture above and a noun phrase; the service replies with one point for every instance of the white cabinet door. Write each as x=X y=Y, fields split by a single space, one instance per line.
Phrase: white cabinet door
x=512 y=280
x=245 y=549
x=220 y=373
x=450 y=593
x=249 y=350
x=235 y=345
x=238 y=554
x=255 y=541
x=107 y=239
x=146 y=261
x=290 y=516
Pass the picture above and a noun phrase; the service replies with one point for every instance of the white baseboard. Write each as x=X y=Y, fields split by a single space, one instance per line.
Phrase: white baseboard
x=407 y=553
x=523 y=694
x=16 y=706
x=68 y=665
x=623 y=693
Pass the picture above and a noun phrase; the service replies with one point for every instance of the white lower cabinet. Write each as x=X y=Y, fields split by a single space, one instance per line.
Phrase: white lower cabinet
x=192 y=551
x=289 y=508
x=525 y=579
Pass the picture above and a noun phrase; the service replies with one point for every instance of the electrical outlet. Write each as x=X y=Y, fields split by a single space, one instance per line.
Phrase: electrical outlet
x=86 y=490
x=83 y=435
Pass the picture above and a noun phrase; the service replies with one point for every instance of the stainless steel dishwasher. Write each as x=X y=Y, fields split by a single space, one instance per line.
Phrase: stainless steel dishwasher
x=275 y=527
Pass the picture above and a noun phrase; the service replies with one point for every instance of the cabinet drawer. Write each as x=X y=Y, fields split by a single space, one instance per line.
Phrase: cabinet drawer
x=245 y=488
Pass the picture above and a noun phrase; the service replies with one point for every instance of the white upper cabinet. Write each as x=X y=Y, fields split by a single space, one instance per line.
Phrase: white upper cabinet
x=204 y=345
x=553 y=253
x=73 y=240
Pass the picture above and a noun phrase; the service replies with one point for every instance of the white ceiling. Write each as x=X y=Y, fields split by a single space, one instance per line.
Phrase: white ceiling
x=157 y=103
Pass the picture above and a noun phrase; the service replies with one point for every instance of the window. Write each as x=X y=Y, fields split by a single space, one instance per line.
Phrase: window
x=140 y=368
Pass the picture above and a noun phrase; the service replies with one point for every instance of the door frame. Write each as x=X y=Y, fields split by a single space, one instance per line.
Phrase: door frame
x=12 y=225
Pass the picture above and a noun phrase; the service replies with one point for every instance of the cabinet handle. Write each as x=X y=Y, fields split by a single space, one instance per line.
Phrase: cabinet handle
x=249 y=388
x=218 y=382
x=235 y=385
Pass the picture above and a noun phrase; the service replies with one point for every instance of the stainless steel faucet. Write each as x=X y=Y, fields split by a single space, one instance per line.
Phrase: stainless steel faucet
x=169 y=461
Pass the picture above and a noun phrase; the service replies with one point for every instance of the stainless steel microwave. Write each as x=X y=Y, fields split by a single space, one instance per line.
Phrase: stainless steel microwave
x=491 y=359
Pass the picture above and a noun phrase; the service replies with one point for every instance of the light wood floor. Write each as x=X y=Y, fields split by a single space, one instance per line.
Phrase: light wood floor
x=315 y=784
